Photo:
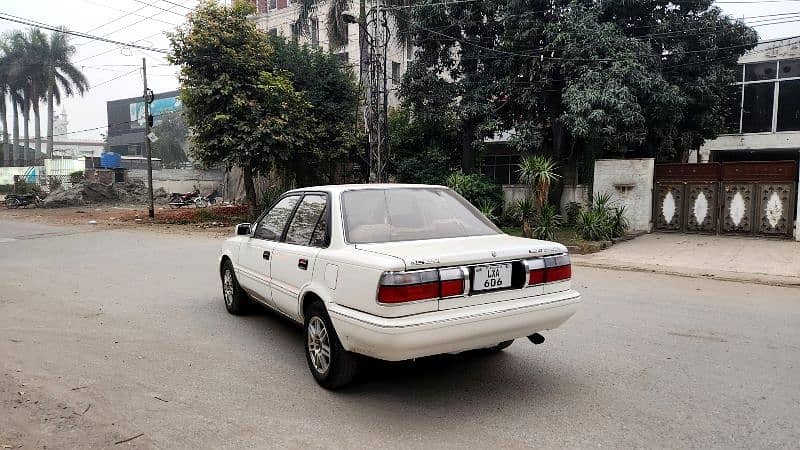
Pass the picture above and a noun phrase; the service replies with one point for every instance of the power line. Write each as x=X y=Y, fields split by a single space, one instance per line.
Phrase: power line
x=162 y=9
x=23 y=21
x=123 y=28
x=116 y=78
x=131 y=13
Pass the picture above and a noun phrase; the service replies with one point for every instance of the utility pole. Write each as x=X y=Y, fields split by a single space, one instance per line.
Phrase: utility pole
x=148 y=98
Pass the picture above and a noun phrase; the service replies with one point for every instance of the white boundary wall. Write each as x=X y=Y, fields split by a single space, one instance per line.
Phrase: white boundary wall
x=630 y=183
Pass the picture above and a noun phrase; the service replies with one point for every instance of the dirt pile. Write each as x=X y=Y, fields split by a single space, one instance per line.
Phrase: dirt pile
x=90 y=192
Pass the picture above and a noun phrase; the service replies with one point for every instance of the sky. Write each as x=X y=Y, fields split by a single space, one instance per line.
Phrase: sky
x=115 y=72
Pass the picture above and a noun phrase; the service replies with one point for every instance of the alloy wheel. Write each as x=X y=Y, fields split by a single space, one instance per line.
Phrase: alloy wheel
x=319 y=347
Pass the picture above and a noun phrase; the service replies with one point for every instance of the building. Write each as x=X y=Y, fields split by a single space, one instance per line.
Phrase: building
x=769 y=109
x=279 y=17
x=126 y=121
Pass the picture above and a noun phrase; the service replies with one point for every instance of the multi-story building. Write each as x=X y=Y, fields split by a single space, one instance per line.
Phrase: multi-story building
x=126 y=121
x=280 y=16
x=768 y=113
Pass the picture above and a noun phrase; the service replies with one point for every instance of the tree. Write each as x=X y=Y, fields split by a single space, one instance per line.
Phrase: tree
x=63 y=78
x=332 y=93
x=423 y=151
x=239 y=111
x=5 y=87
x=172 y=135
x=453 y=71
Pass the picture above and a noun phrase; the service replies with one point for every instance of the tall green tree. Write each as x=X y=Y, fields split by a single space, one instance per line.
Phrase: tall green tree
x=454 y=68
x=63 y=78
x=172 y=134
x=5 y=87
x=239 y=111
x=332 y=92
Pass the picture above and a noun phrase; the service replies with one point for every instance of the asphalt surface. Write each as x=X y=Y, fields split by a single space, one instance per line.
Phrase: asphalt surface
x=107 y=335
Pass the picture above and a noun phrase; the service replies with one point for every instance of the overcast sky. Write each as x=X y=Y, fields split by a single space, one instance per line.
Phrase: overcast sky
x=114 y=73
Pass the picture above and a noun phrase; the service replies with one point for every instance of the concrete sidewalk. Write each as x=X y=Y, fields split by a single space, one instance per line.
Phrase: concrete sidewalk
x=730 y=258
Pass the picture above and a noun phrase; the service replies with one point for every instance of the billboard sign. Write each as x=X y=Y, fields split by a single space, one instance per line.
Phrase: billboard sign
x=158 y=107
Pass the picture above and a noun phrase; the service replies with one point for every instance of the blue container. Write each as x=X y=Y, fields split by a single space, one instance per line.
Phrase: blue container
x=110 y=160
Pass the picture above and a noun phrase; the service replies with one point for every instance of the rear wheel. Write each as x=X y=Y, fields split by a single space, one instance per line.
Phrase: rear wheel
x=236 y=300
x=330 y=364
x=13 y=203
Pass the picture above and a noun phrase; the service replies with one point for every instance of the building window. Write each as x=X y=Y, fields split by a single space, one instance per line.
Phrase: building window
x=760 y=71
x=315 y=32
x=343 y=57
x=273 y=32
x=789 y=106
x=502 y=168
x=295 y=30
x=757 y=107
x=273 y=4
x=409 y=52
x=395 y=72
x=760 y=84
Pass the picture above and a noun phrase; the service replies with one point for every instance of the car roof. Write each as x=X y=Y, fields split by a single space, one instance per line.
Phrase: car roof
x=336 y=188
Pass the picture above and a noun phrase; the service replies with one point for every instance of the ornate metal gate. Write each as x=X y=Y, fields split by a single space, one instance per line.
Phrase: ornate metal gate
x=750 y=198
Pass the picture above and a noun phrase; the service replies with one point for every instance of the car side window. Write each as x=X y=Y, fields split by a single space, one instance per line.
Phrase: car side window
x=320 y=236
x=271 y=226
x=305 y=220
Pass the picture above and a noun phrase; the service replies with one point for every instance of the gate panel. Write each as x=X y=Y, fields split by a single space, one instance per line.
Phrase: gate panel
x=737 y=212
x=701 y=207
x=668 y=209
x=775 y=209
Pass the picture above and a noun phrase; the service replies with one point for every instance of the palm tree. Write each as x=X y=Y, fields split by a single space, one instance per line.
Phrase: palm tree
x=4 y=91
x=60 y=75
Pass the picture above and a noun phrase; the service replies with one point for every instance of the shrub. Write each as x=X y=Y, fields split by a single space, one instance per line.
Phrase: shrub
x=545 y=223
x=524 y=211
x=571 y=211
x=476 y=188
x=488 y=209
x=76 y=177
x=602 y=221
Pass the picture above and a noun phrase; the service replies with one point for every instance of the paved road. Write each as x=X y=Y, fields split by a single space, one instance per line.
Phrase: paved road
x=105 y=335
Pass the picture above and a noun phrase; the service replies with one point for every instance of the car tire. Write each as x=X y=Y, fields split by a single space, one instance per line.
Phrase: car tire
x=236 y=300
x=338 y=367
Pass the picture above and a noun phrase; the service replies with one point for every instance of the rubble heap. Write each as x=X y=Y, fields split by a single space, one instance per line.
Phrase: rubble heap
x=91 y=192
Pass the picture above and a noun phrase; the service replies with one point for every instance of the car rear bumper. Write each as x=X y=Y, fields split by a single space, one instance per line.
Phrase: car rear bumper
x=452 y=330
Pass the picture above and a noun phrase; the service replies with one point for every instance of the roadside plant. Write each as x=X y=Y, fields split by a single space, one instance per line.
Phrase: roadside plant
x=602 y=220
x=539 y=172
x=476 y=188
x=545 y=224
x=488 y=208
x=571 y=212
x=524 y=211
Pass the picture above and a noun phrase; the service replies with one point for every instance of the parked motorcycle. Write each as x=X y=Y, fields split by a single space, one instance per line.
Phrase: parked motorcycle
x=206 y=200
x=178 y=200
x=14 y=201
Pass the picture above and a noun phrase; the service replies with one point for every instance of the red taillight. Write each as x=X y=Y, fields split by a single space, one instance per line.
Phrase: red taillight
x=409 y=293
x=402 y=287
x=559 y=273
x=548 y=269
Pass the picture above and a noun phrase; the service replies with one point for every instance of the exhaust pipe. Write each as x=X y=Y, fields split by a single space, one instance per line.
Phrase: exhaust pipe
x=536 y=338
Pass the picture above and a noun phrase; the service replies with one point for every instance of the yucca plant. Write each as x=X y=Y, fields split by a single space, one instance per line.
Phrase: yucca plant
x=539 y=172
x=593 y=225
x=524 y=210
x=617 y=222
x=546 y=223
x=488 y=208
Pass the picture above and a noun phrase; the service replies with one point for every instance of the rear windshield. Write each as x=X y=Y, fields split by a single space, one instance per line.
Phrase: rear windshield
x=406 y=214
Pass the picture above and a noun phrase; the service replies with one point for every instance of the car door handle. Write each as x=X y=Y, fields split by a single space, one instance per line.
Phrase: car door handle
x=302 y=264
x=266 y=254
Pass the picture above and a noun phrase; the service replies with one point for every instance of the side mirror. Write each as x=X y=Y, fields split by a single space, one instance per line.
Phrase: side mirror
x=243 y=229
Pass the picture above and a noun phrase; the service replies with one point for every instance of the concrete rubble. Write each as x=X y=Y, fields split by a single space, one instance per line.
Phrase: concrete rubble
x=90 y=192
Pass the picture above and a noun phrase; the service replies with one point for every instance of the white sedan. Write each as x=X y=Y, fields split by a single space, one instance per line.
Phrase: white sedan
x=393 y=272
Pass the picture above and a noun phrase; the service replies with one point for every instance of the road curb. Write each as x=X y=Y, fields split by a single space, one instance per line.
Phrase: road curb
x=737 y=277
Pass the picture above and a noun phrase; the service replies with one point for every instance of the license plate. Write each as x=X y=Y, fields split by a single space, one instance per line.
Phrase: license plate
x=495 y=276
